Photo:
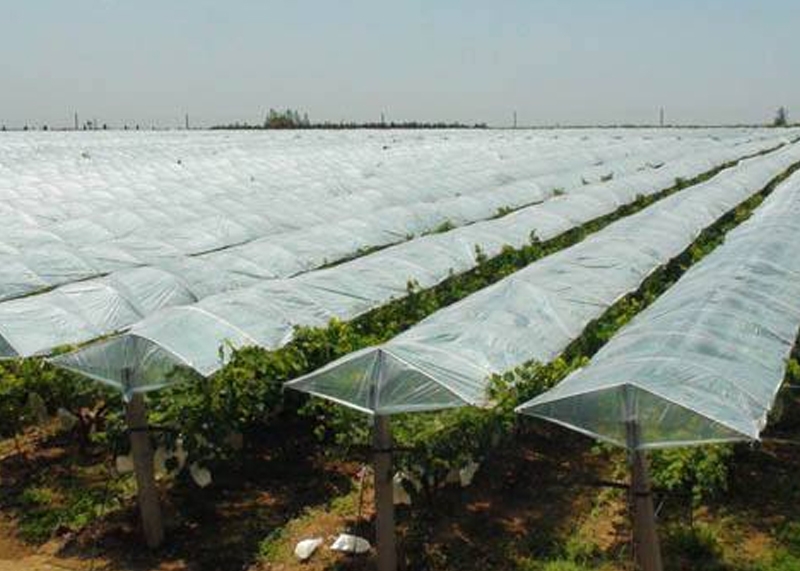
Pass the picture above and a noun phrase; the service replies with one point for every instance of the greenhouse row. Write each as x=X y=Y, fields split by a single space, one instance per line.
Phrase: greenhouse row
x=265 y=313
x=64 y=230
x=154 y=266
x=127 y=294
x=705 y=362
x=447 y=359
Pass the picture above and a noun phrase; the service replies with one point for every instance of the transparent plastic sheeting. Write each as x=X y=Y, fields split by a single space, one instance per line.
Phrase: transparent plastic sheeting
x=77 y=206
x=80 y=312
x=447 y=359
x=199 y=336
x=706 y=360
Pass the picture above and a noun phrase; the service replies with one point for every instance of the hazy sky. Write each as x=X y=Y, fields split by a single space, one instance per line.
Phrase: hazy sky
x=567 y=61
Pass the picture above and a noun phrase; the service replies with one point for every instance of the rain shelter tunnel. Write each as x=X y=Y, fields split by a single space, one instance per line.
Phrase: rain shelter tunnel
x=265 y=314
x=190 y=206
x=447 y=359
x=629 y=250
x=154 y=253
x=704 y=363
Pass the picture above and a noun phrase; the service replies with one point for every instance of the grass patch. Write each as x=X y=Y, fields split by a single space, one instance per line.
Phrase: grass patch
x=696 y=547
x=559 y=565
x=781 y=560
x=55 y=505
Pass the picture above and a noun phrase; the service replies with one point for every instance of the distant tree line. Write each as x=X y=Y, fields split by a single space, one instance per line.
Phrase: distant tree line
x=291 y=119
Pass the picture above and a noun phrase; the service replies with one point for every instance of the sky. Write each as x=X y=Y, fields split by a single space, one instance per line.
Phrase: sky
x=552 y=61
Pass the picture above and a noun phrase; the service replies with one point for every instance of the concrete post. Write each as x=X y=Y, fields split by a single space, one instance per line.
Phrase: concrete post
x=384 y=495
x=646 y=547
x=142 y=452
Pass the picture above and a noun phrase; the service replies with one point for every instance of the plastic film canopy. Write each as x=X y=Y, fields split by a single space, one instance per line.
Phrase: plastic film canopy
x=327 y=225
x=266 y=313
x=79 y=206
x=129 y=363
x=535 y=313
x=705 y=361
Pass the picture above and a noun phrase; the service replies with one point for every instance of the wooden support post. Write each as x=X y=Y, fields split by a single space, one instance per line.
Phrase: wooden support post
x=146 y=490
x=384 y=495
x=646 y=548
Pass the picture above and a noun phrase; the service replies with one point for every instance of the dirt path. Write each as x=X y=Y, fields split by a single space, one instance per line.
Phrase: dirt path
x=43 y=563
x=18 y=556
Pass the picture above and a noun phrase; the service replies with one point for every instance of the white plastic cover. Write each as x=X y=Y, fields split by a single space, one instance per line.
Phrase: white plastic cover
x=95 y=307
x=706 y=360
x=447 y=359
x=77 y=206
x=266 y=314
